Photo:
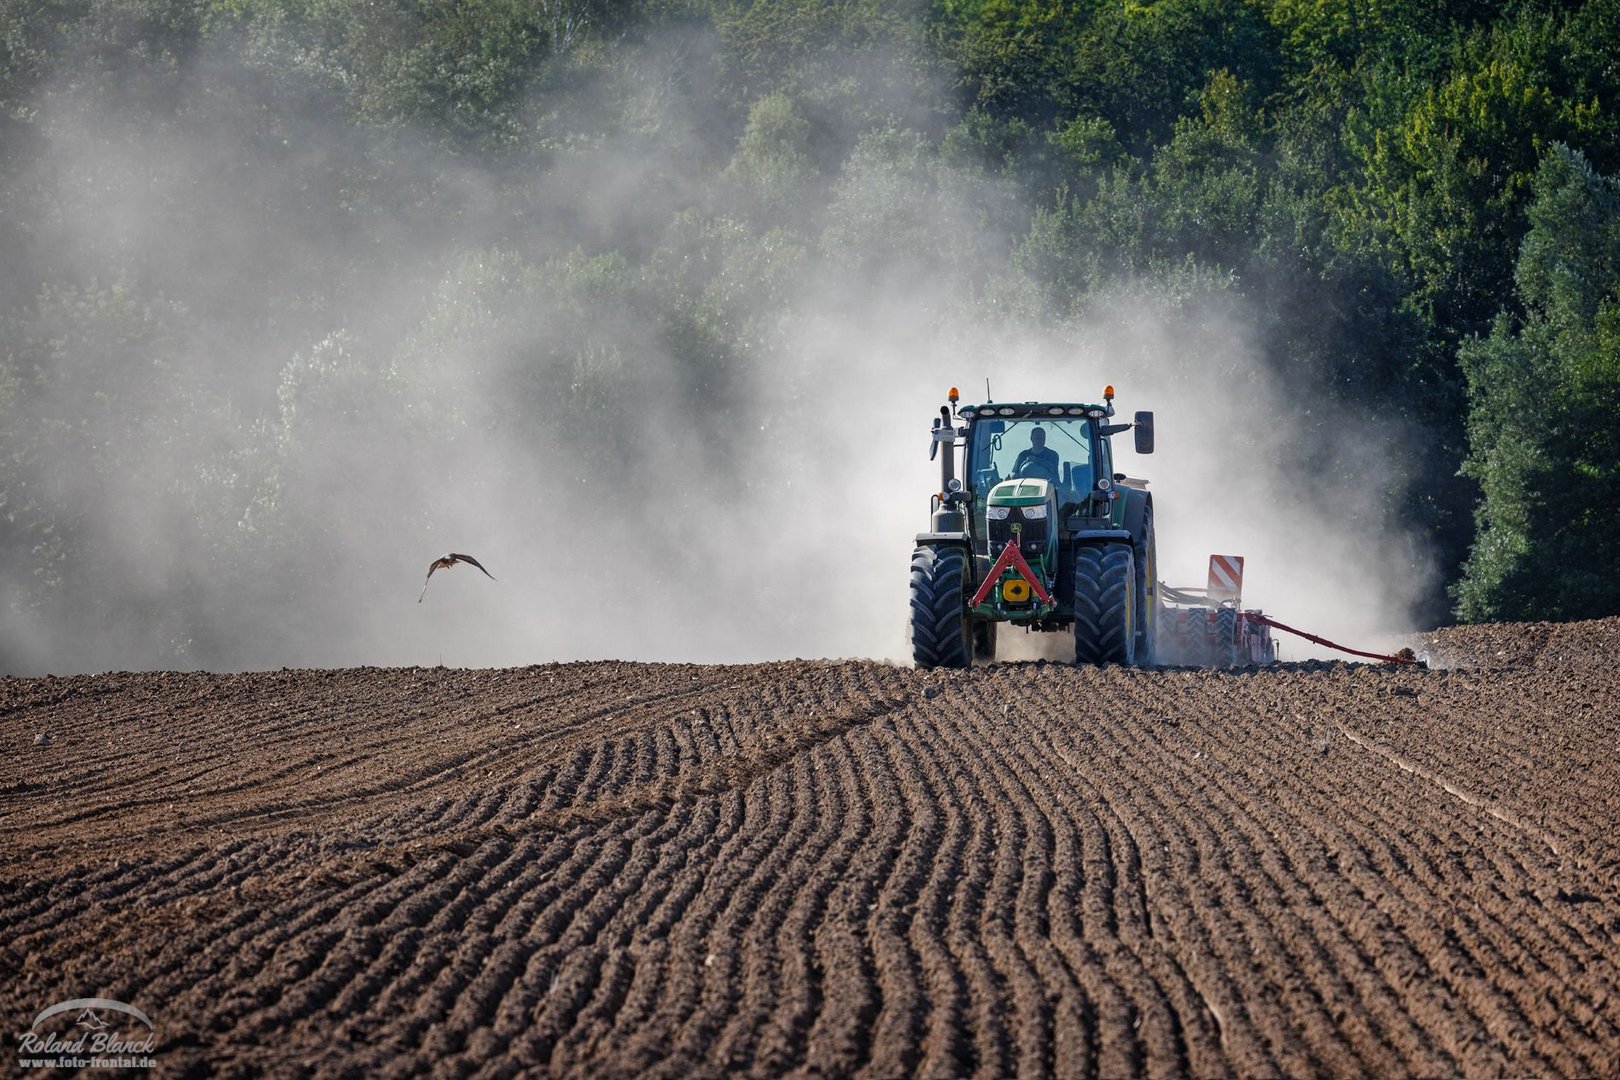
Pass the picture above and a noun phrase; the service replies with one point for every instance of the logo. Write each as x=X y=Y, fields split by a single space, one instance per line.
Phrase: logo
x=88 y=1033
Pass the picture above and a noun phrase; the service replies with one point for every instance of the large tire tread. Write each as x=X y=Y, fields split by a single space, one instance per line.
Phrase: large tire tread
x=940 y=633
x=1147 y=602
x=1104 y=603
x=1226 y=621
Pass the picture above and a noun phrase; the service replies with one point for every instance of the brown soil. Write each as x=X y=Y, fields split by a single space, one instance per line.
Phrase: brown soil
x=617 y=869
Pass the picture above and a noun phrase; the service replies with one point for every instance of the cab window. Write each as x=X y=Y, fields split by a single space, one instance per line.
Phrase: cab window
x=1058 y=450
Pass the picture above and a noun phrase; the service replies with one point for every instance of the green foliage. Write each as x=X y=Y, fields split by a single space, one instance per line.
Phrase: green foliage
x=730 y=289
x=127 y=58
x=530 y=334
x=851 y=64
x=1586 y=78
x=1196 y=199
x=593 y=210
x=1449 y=185
x=1084 y=143
x=1324 y=34
x=1137 y=65
x=457 y=69
x=1544 y=395
x=89 y=376
x=1447 y=166
x=897 y=213
x=773 y=167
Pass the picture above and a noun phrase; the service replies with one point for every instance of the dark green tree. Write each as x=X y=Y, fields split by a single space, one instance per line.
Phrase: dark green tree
x=1544 y=413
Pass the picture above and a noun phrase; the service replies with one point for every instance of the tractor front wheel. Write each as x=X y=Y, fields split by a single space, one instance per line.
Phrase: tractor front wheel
x=1104 y=605
x=940 y=632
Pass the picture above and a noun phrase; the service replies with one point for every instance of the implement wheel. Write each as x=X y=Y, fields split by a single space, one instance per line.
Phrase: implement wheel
x=1226 y=628
x=940 y=631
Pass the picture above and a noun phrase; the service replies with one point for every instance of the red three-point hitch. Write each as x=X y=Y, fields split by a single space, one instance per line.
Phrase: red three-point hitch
x=1010 y=559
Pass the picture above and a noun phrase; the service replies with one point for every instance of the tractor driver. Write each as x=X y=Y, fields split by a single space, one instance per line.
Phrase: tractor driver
x=1039 y=461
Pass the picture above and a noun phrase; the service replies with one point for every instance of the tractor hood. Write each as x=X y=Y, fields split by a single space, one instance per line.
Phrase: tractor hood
x=1025 y=492
x=1023 y=514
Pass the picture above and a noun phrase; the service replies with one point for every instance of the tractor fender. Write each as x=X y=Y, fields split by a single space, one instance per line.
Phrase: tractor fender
x=1137 y=505
x=930 y=539
x=1116 y=536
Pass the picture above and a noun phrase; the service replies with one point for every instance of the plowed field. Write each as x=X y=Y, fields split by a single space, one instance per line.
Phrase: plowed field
x=618 y=869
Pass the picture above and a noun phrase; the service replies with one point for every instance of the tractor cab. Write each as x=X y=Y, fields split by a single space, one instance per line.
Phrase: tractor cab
x=1057 y=444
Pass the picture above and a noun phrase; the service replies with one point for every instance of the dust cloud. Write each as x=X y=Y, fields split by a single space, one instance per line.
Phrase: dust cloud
x=1230 y=473
x=368 y=387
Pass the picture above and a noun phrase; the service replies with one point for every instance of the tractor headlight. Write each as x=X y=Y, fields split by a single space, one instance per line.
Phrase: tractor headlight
x=996 y=513
x=1035 y=513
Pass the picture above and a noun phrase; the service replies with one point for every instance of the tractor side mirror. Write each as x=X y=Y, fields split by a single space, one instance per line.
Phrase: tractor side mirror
x=1144 y=433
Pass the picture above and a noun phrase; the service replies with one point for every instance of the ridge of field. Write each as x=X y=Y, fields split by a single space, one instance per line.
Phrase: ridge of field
x=624 y=869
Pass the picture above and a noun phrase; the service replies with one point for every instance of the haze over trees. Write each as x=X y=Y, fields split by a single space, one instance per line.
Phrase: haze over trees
x=253 y=246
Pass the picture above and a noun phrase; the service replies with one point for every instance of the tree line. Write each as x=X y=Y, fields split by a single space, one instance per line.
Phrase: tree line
x=1418 y=203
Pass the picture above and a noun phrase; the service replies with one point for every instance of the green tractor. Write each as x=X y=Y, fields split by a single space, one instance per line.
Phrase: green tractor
x=1039 y=531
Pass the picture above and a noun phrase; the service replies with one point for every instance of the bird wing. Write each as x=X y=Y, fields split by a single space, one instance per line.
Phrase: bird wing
x=475 y=562
x=432 y=566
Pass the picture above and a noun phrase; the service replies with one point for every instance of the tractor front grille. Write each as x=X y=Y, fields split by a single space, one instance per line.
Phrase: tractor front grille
x=1032 y=535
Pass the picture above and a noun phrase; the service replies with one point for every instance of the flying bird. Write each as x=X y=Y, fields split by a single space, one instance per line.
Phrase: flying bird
x=451 y=559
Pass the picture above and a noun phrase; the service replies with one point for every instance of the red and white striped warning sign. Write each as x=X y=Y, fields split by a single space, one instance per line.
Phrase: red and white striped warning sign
x=1225 y=578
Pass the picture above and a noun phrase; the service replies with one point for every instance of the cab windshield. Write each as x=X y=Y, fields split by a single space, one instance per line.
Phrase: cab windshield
x=1058 y=450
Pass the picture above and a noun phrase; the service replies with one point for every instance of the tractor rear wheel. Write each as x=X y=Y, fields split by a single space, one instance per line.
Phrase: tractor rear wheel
x=1104 y=605
x=1147 y=593
x=940 y=631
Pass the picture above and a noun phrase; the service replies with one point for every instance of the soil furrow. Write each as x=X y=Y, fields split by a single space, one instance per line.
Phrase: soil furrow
x=816 y=868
